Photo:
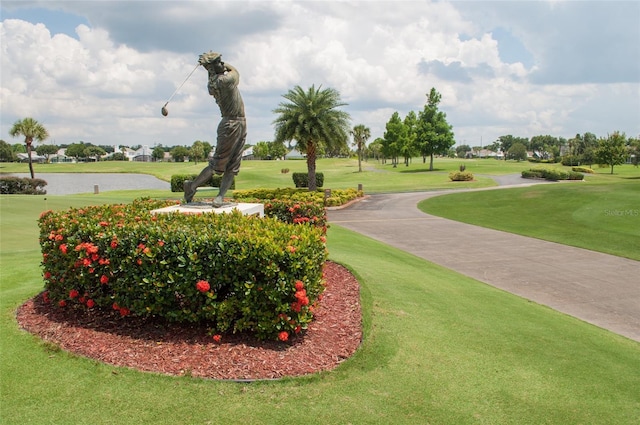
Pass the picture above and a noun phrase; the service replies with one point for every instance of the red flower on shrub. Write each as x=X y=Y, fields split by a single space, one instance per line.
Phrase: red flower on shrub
x=104 y=279
x=217 y=337
x=62 y=303
x=47 y=275
x=63 y=248
x=291 y=249
x=160 y=243
x=103 y=224
x=297 y=329
x=299 y=285
x=283 y=336
x=59 y=238
x=124 y=311
x=115 y=306
x=45 y=297
x=203 y=286
x=74 y=293
x=91 y=303
x=296 y=306
x=114 y=244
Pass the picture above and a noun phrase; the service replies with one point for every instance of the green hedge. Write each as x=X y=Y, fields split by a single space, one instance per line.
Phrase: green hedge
x=552 y=174
x=338 y=196
x=582 y=170
x=302 y=179
x=22 y=186
x=177 y=181
x=235 y=273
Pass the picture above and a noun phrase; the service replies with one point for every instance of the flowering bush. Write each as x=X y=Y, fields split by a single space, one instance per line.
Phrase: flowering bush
x=234 y=272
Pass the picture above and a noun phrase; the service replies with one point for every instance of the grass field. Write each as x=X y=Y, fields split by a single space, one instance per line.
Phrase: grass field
x=339 y=173
x=602 y=214
x=439 y=347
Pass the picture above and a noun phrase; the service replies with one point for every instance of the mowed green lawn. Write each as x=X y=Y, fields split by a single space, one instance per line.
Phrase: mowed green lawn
x=340 y=173
x=439 y=348
x=601 y=214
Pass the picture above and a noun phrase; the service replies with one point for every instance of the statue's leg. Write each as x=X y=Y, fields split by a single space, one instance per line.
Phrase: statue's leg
x=225 y=184
x=190 y=187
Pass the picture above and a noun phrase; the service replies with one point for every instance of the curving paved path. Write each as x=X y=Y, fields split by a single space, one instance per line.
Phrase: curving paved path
x=598 y=288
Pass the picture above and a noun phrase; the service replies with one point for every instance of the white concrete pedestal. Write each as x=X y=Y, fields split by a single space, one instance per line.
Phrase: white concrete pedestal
x=202 y=207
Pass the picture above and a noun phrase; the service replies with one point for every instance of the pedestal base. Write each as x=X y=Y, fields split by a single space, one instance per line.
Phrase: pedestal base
x=202 y=207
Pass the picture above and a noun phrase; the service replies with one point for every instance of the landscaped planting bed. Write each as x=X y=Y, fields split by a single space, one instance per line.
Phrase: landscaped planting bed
x=232 y=272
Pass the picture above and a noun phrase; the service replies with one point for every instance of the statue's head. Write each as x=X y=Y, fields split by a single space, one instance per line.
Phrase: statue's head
x=212 y=62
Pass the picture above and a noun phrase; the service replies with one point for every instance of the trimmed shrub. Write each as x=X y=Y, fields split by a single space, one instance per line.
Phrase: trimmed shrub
x=232 y=272
x=582 y=169
x=284 y=170
x=461 y=176
x=22 y=186
x=574 y=175
x=571 y=160
x=302 y=179
x=338 y=196
x=177 y=181
x=552 y=174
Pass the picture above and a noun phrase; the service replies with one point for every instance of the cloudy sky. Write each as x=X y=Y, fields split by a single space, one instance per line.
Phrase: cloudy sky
x=99 y=71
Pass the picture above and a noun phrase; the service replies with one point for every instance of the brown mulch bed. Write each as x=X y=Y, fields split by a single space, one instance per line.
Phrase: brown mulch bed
x=178 y=349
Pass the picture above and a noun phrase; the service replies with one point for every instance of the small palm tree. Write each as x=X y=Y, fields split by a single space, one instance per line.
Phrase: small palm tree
x=313 y=119
x=31 y=130
x=360 y=134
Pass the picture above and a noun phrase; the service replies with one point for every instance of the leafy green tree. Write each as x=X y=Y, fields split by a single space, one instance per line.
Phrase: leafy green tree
x=277 y=149
x=76 y=150
x=196 y=153
x=117 y=156
x=508 y=140
x=361 y=134
x=517 y=151
x=157 y=154
x=394 y=137
x=19 y=148
x=92 y=151
x=375 y=148
x=31 y=130
x=313 y=119
x=633 y=145
x=261 y=150
x=462 y=150
x=207 y=149
x=179 y=153
x=6 y=152
x=612 y=150
x=434 y=135
x=47 y=150
x=408 y=144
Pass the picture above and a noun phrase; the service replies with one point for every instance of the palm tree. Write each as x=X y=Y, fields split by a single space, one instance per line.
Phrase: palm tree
x=312 y=119
x=31 y=130
x=360 y=134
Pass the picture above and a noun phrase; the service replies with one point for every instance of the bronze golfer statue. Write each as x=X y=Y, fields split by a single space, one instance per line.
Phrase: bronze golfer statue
x=232 y=129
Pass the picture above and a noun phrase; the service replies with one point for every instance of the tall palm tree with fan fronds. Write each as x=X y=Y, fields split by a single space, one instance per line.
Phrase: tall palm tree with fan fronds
x=313 y=120
x=31 y=130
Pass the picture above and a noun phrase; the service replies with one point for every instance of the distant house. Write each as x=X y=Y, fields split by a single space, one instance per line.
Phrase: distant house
x=294 y=154
x=248 y=153
x=23 y=157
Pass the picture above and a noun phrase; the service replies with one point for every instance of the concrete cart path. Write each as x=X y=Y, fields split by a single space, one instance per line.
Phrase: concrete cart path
x=598 y=288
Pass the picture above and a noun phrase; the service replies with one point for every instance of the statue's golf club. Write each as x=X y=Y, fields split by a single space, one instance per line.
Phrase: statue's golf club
x=164 y=110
